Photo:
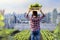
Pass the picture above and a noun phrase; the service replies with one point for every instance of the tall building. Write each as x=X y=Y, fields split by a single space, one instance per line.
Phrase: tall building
x=48 y=17
x=9 y=21
x=54 y=16
x=2 y=12
x=15 y=18
x=58 y=18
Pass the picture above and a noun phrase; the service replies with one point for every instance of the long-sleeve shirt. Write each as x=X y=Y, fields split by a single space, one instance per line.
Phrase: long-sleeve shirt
x=35 y=22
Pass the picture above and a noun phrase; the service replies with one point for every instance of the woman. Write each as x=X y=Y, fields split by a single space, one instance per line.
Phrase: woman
x=35 y=24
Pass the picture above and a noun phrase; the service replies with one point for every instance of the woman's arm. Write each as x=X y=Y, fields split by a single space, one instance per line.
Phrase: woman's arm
x=42 y=14
x=27 y=14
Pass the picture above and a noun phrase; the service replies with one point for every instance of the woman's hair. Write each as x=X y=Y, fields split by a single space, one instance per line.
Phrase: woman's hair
x=34 y=13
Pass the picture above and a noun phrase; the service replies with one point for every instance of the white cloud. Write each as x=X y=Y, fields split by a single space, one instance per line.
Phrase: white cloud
x=12 y=1
x=12 y=5
x=22 y=5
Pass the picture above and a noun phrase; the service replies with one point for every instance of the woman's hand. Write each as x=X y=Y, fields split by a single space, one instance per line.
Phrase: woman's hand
x=29 y=11
x=41 y=11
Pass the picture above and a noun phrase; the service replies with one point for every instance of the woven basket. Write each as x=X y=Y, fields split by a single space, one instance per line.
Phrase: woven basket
x=35 y=8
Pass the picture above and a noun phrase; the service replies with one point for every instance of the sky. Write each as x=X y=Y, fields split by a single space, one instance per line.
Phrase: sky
x=21 y=6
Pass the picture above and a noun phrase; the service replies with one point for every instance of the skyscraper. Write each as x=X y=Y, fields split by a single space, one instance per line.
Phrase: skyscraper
x=58 y=17
x=54 y=16
x=48 y=17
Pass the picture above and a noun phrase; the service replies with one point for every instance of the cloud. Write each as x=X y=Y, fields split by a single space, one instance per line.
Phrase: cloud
x=12 y=5
x=12 y=1
x=22 y=5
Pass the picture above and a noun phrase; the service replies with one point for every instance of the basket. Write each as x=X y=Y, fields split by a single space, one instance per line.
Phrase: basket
x=34 y=8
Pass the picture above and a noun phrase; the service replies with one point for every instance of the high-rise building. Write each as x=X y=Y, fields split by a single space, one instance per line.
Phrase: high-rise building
x=48 y=17
x=2 y=12
x=58 y=18
x=54 y=16
x=9 y=19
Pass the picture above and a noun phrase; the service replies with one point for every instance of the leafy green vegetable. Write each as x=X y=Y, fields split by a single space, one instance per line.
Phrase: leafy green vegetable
x=35 y=5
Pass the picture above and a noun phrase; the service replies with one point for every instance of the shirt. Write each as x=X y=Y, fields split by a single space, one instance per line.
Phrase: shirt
x=35 y=22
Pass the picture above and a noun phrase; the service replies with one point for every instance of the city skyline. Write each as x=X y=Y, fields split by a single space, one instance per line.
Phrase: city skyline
x=49 y=16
